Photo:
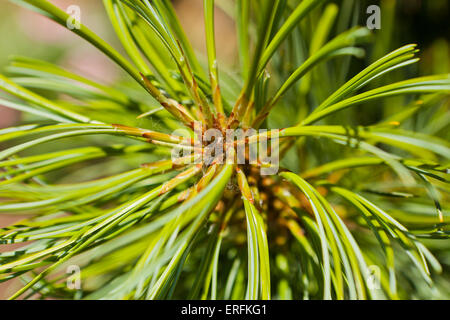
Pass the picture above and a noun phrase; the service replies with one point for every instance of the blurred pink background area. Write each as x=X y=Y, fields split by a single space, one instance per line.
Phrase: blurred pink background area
x=81 y=57
x=43 y=35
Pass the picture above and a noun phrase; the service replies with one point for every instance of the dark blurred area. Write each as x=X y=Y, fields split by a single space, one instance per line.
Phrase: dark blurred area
x=423 y=22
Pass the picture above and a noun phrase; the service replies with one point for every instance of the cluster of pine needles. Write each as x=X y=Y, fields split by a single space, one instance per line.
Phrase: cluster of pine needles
x=355 y=211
